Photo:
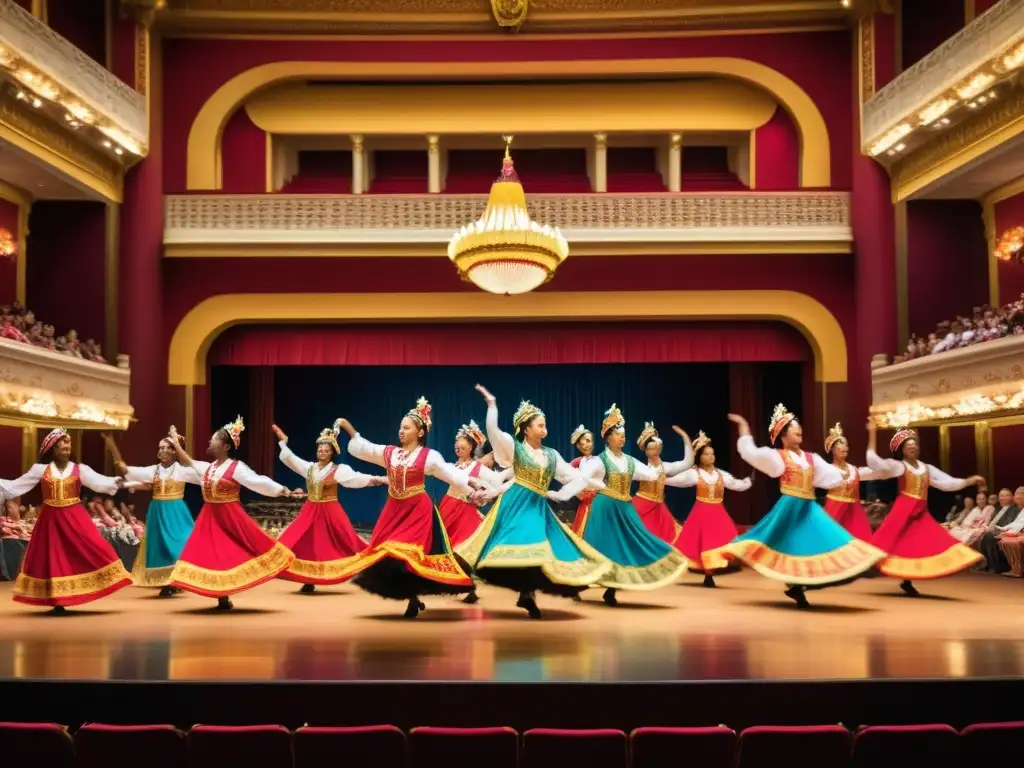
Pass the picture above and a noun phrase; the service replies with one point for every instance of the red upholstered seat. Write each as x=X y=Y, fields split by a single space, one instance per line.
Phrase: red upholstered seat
x=812 y=746
x=896 y=746
x=382 y=745
x=983 y=743
x=705 y=747
x=217 y=746
x=127 y=746
x=492 y=747
x=36 y=744
x=556 y=748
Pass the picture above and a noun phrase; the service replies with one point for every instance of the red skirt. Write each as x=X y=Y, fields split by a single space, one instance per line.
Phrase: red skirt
x=580 y=521
x=850 y=515
x=228 y=553
x=707 y=528
x=658 y=519
x=917 y=546
x=325 y=545
x=460 y=518
x=67 y=561
x=409 y=553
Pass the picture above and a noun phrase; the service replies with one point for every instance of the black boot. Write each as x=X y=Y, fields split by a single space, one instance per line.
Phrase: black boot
x=577 y=598
x=609 y=597
x=472 y=598
x=709 y=580
x=909 y=588
x=797 y=594
x=167 y=592
x=413 y=609
x=59 y=610
x=527 y=602
x=308 y=589
x=224 y=604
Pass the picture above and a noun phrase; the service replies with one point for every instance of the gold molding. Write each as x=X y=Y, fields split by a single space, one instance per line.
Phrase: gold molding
x=112 y=245
x=752 y=162
x=983 y=449
x=205 y=135
x=944 y=447
x=969 y=12
x=22 y=199
x=269 y=161
x=190 y=417
x=988 y=215
x=902 y=275
x=190 y=344
x=29 y=447
x=866 y=58
x=41 y=10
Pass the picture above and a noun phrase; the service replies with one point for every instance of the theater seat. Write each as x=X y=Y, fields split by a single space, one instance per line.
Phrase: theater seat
x=704 y=747
x=809 y=746
x=222 y=746
x=127 y=746
x=369 y=745
x=36 y=744
x=984 y=743
x=556 y=748
x=896 y=746
x=493 y=747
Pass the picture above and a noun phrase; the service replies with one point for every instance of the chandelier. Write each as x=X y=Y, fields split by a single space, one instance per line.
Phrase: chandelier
x=505 y=251
x=8 y=245
x=1011 y=245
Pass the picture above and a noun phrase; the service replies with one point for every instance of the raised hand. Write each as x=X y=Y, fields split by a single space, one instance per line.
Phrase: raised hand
x=478 y=497
x=740 y=422
x=346 y=425
x=379 y=480
x=976 y=480
x=281 y=436
x=488 y=397
x=681 y=432
x=173 y=434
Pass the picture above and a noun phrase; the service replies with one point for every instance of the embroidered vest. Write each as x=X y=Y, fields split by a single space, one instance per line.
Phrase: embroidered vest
x=326 y=489
x=710 y=493
x=167 y=489
x=474 y=471
x=407 y=480
x=61 y=492
x=528 y=474
x=616 y=481
x=653 y=490
x=796 y=480
x=849 y=491
x=222 y=490
x=913 y=485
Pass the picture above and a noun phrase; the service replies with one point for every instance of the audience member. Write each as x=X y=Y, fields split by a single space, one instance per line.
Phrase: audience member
x=20 y=324
x=985 y=324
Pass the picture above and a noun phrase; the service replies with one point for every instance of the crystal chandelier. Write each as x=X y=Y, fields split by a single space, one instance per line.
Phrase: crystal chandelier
x=505 y=251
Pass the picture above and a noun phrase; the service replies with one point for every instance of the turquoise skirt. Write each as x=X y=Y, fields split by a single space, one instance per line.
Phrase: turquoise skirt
x=168 y=526
x=640 y=560
x=521 y=545
x=797 y=542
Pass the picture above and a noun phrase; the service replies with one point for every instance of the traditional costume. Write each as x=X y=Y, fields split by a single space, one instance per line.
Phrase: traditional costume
x=797 y=542
x=67 y=561
x=461 y=516
x=843 y=501
x=324 y=543
x=586 y=496
x=640 y=560
x=228 y=552
x=409 y=553
x=917 y=546
x=649 y=500
x=521 y=545
x=708 y=527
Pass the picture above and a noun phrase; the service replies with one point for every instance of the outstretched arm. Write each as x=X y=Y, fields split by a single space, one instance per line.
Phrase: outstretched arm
x=675 y=467
x=261 y=484
x=502 y=442
x=12 y=489
x=362 y=448
x=765 y=459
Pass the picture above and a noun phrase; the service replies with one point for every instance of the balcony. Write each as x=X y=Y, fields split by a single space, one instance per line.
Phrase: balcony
x=41 y=387
x=981 y=381
x=421 y=225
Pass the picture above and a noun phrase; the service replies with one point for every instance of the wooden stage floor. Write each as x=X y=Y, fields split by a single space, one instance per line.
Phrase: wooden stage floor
x=967 y=626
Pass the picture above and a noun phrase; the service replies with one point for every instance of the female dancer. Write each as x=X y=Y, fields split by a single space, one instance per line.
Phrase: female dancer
x=797 y=542
x=67 y=561
x=322 y=539
x=650 y=496
x=640 y=560
x=843 y=501
x=708 y=527
x=227 y=552
x=917 y=546
x=168 y=519
x=582 y=440
x=521 y=545
x=409 y=553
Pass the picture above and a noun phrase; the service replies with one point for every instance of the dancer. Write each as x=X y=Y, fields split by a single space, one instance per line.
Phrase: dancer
x=650 y=496
x=322 y=539
x=708 y=527
x=917 y=546
x=227 y=552
x=521 y=545
x=168 y=519
x=67 y=561
x=797 y=542
x=582 y=440
x=843 y=501
x=640 y=560
x=409 y=554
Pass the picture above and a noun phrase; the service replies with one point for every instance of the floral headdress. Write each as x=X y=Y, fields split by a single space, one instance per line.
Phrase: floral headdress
x=900 y=438
x=578 y=433
x=235 y=430
x=421 y=414
x=613 y=419
x=648 y=433
x=471 y=431
x=835 y=435
x=524 y=413
x=52 y=439
x=780 y=418
x=700 y=442
x=330 y=436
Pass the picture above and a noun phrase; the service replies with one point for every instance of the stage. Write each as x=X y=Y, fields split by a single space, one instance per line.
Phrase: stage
x=682 y=654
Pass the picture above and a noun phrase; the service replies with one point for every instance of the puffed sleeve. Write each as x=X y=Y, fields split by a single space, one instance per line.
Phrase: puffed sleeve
x=293 y=462
x=761 y=458
x=100 y=483
x=675 y=467
x=733 y=484
x=142 y=475
x=573 y=480
x=502 y=442
x=939 y=479
x=198 y=469
x=349 y=478
x=256 y=482
x=437 y=467
x=363 y=449
x=494 y=479
x=685 y=479
x=883 y=469
x=825 y=475
x=644 y=473
x=12 y=489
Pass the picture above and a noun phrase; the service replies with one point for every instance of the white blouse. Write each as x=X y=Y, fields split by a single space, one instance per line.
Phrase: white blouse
x=244 y=475
x=593 y=466
x=435 y=465
x=768 y=461
x=145 y=475
x=889 y=468
x=344 y=475
x=690 y=478
x=92 y=480
x=486 y=474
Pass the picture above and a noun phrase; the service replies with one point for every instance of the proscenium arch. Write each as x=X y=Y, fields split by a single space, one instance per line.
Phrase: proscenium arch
x=204 y=139
x=208 y=319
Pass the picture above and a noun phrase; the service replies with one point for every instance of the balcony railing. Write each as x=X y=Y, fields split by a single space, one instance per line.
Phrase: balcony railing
x=980 y=381
x=38 y=386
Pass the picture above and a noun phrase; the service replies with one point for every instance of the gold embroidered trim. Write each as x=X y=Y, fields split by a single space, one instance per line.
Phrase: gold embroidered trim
x=657 y=574
x=149 y=577
x=443 y=567
x=408 y=493
x=615 y=494
x=953 y=560
x=62 y=503
x=710 y=499
x=71 y=586
x=657 y=498
x=800 y=493
x=168 y=497
x=323 y=499
x=844 y=499
x=270 y=563
x=328 y=570
x=849 y=560
x=220 y=499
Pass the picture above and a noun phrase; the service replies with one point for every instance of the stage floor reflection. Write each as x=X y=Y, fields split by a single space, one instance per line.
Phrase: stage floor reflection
x=967 y=626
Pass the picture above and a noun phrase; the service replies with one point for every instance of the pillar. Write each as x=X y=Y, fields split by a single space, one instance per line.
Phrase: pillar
x=29 y=447
x=600 y=162
x=983 y=451
x=433 y=164
x=358 y=165
x=675 y=162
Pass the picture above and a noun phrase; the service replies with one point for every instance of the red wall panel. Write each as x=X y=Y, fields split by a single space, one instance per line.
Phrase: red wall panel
x=244 y=156
x=1008 y=456
x=777 y=156
x=926 y=24
x=82 y=22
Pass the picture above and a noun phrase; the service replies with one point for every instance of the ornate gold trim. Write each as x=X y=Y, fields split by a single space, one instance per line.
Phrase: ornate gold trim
x=111 y=267
x=23 y=200
x=944 y=447
x=866 y=70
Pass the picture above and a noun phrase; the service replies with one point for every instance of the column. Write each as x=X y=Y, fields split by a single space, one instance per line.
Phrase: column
x=29 y=447
x=433 y=164
x=358 y=165
x=600 y=162
x=675 y=162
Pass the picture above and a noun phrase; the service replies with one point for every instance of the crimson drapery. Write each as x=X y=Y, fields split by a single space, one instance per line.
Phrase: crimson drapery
x=744 y=399
x=261 y=409
x=510 y=344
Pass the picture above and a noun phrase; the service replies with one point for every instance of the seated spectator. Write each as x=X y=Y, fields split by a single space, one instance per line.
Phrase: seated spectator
x=985 y=324
x=960 y=509
x=988 y=544
x=1002 y=548
x=19 y=324
x=973 y=525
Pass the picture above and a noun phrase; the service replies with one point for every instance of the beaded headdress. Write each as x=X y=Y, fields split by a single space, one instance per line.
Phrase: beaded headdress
x=578 y=433
x=235 y=430
x=471 y=431
x=421 y=414
x=835 y=435
x=700 y=442
x=613 y=419
x=900 y=438
x=52 y=439
x=780 y=418
x=648 y=433
x=524 y=413
x=330 y=436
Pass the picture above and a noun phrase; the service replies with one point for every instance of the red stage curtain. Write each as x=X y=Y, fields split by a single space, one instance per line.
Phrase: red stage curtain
x=510 y=344
x=1007 y=467
x=261 y=406
x=745 y=399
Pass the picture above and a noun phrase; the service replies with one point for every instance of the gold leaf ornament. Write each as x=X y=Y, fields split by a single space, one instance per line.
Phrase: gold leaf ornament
x=510 y=14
